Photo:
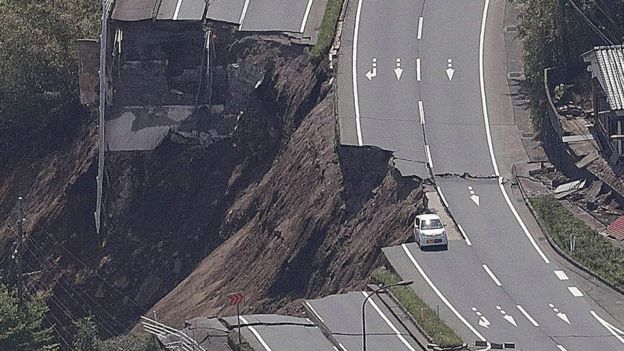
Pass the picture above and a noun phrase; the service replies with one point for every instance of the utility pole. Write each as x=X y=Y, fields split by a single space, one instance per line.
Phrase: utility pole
x=17 y=256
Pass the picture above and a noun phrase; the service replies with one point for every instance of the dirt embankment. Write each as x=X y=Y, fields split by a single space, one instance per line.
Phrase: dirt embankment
x=280 y=211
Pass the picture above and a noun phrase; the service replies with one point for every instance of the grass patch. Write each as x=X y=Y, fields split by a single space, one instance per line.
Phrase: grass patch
x=592 y=249
x=233 y=342
x=328 y=29
x=441 y=333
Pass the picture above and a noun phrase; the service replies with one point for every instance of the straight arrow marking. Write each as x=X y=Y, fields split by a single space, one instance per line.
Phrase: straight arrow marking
x=398 y=71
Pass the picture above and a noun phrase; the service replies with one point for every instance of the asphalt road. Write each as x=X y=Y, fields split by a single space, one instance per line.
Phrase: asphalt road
x=498 y=285
x=341 y=315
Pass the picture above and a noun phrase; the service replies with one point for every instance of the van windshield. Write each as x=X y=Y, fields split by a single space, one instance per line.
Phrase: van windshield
x=431 y=224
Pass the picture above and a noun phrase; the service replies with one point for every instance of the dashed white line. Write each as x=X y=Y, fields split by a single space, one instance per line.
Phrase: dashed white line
x=314 y=311
x=575 y=291
x=394 y=329
x=418 y=69
x=421 y=112
x=489 y=272
x=461 y=229
x=256 y=334
x=561 y=275
x=420 y=27
x=489 y=135
x=243 y=14
x=177 y=10
x=356 y=98
x=526 y=314
x=437 y=292
x=305 y=16
x=429 y=159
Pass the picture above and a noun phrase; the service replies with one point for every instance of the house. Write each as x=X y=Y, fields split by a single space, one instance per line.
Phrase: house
x=606 y=64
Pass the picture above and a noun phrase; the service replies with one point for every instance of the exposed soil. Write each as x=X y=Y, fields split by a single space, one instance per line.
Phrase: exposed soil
x=279 y=211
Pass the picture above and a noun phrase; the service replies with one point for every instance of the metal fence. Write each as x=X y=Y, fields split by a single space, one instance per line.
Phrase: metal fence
x=171 y=338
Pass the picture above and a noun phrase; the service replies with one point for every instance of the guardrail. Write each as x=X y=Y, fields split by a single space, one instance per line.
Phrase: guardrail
x=171 y=338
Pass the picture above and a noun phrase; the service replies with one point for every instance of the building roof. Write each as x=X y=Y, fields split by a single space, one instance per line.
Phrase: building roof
x=607 y=64
x=616 y=229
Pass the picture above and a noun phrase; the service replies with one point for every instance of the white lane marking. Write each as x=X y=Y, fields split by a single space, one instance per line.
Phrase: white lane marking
x=461 y=229
x=561 y=348
x=394 y=329
x=418 y=69
x=561 y=315
x=487 y=269
x=314 y=311
x=256 y=334
x=489 y=135
x=421 y=112
x=575 y=291
x=342 y=347
x=442 y=196
x=613 y=330
x=526 y=314
x=509 y=318
x=437 y=292
x=420 y=27
x=243 y=14
x=561 y=275
x=177 y=10
x=305 y=16
x=429 y=159
x=356 y=99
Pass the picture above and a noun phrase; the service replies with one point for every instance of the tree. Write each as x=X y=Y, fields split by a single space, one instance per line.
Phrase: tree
x=22 y=328
x=86 y=338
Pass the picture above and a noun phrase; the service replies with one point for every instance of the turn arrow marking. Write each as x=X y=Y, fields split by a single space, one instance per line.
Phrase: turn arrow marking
x=372 y=73
x=482 y=320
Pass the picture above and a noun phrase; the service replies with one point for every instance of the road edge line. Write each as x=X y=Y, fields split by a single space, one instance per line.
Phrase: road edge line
x=356 y=98
x=256 y=334
x=488 y=135
x=385 y=318
x=439 y=294
x=305 y=16
x=613 y=330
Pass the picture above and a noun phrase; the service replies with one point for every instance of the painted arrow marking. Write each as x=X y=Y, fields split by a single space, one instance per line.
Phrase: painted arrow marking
x=450 y=71
x=474 y=197
x=559 y=314
x=398 y=71
x=372 y=73
x=507 y=317
x=482 y=320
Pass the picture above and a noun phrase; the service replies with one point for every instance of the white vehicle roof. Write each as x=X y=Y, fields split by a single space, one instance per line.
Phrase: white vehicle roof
x=428 y=216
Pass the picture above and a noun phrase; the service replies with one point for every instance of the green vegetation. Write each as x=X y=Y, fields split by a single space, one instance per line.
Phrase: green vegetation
x=441 y=333
x=328 y=29
x=87 y=339
x=21 y=329
x=592 y=249
x=39 y=63
x=555 y=34
x=233 y=342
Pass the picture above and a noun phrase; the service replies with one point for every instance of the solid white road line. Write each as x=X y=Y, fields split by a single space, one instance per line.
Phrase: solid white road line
x=489 y=272
x=526 y=314
x=243 y=14
x=561 y=348
x=356 y=99
x=305 y=16
x=561 y=275
x=257 y=335
x=575 y=291
x=461 y=229
x=342 y=347
x=420 y=27
x=488 y=134
x=421 y=112
x=177 y=10
x=430 y=160
x=442 y=196
x=418 y=69
x=613 y=330
x=314 y=311
x=385 y=318
x=437 y=292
